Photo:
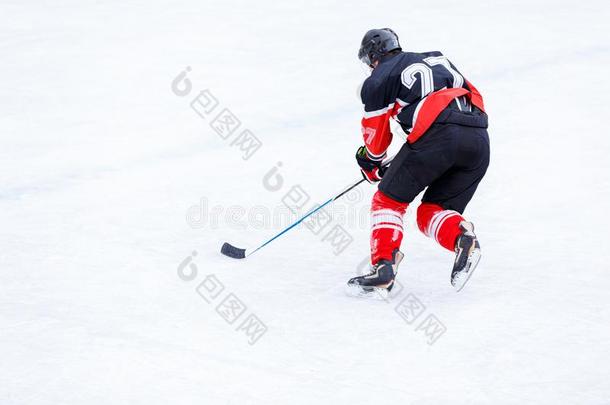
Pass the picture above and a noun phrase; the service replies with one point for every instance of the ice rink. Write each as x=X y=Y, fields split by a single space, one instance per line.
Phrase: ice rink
x=119 y=184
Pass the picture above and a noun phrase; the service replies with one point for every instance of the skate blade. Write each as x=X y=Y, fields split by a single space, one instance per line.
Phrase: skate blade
x=460 y=280
x=374 y=293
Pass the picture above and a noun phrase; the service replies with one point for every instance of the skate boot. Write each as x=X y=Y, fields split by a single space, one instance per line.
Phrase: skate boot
x=379 y=281
x=467 y=255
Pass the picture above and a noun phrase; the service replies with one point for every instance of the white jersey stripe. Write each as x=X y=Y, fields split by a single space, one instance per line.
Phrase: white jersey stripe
x=401 y=102
x=416 y=112
x=376 y=113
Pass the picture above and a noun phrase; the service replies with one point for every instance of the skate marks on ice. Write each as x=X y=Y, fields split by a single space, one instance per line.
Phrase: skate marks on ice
x=370 y=293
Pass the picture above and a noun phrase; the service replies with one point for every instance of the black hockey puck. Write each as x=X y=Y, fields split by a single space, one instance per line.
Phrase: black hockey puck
x=232 y=251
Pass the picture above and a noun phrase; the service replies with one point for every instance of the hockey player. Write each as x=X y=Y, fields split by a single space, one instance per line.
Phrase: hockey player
x=447 y=152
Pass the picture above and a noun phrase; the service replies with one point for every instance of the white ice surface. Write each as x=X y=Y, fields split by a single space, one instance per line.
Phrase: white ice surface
x=100 y=161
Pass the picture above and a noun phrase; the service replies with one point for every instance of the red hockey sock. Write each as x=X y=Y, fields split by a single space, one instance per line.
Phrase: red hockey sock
x=386 y=232
x=442 y=225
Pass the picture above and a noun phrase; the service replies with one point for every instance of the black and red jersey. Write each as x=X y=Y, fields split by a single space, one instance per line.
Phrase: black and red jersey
x=413 y=89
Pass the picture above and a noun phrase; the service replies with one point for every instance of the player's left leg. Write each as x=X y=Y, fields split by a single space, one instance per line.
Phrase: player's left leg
x=386 y=226
x=386 y=237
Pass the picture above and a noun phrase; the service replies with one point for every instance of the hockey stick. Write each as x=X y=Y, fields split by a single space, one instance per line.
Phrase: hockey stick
x=238 y=253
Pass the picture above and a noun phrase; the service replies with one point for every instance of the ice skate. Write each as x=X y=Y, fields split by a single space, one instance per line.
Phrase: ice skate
x=467 y=256
x=378 y=282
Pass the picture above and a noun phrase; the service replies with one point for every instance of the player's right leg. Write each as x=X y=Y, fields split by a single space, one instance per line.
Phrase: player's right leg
x=440 y=214
x=453 y=232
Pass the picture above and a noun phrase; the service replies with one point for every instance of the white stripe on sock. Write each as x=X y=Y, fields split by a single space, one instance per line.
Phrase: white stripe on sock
x=393 y=219
x=387 y=226
x=386 y=212
x=437 y=221
x=441 y=225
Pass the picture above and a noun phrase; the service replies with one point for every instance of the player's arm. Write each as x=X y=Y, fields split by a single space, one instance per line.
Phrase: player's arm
x=376 y=120
x=375 y=131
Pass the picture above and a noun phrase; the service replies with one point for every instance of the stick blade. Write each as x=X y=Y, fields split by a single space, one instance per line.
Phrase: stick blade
x=232 y=251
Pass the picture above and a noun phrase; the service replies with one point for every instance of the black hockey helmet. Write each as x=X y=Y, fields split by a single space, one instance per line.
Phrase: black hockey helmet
x=376 y=43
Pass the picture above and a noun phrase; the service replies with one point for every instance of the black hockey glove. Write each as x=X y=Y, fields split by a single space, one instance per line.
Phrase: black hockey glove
x=372 y=171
